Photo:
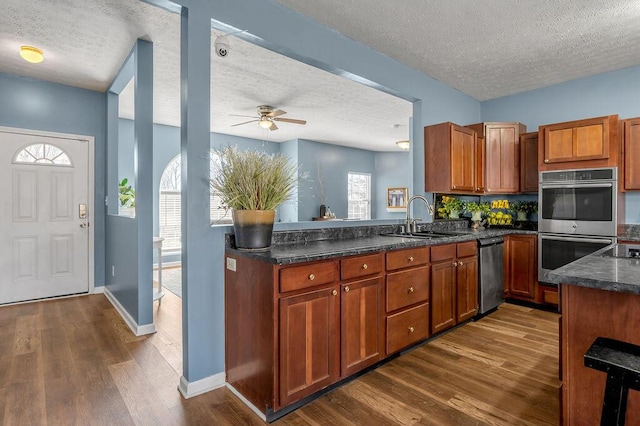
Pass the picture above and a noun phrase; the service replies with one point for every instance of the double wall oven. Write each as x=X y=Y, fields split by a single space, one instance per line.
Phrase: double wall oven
x=577 y=215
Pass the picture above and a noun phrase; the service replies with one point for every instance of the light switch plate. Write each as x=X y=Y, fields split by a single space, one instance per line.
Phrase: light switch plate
x=231 y=264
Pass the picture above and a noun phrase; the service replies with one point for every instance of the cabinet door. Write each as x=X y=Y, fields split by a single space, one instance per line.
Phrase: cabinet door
x=443 y=308
x=582 y=140
x=463 y=159
x=632 y=153
x=467 y=288
x=529 y=162
x=502 y=158
x=309 y=343
x=523 y=268
x=362 y=326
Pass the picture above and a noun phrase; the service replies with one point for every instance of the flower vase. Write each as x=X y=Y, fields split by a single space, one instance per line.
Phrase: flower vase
x=476 y=216
x=454 y=214
x=521 y=216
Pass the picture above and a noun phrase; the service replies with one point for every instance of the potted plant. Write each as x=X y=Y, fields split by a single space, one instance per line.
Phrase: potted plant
x=252 y=184
x=477 y=210
x=524 y=208
x=127 y=197
x=451 y=207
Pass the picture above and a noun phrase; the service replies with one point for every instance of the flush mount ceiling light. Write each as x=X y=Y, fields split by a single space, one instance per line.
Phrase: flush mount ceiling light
x=31 y=54
x=404 y=145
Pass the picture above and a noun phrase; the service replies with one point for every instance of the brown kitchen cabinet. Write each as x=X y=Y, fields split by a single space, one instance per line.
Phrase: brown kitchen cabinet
x=631 y=137
x=529 y=162
x=501 y=157
x=450 y=158
x=521 y=266
x=579 y=144
x=454 y=284
x=407 y=298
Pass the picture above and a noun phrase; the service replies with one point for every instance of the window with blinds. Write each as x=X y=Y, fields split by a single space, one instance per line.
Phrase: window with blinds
x=359 y=196
x=170 y=207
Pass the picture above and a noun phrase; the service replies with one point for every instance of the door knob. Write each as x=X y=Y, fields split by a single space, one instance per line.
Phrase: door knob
x=84 y=225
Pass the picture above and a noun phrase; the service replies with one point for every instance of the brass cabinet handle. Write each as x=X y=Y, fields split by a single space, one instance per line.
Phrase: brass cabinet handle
x=410 y=258
x=312 y=277
x=365 y=266
x=411 y=330
x=346 y=289
x=546 y=161
x=488 y=190
x=460 y=263
x=455 y=263
x=334 y=292
x=454 y=187
x=411 y=290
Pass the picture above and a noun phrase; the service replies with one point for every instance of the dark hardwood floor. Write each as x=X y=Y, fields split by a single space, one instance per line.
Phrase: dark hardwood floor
x=74 y=362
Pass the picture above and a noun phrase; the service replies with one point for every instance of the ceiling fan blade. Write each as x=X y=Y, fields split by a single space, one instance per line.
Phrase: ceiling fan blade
x=276 y=113
x=246 y=122
x=273 y=126
x=238 y=115
x=291 y=120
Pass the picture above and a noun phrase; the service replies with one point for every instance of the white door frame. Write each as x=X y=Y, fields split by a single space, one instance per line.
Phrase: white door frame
x=90 y=189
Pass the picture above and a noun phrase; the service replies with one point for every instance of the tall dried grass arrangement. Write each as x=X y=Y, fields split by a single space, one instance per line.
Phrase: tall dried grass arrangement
x=253 y=180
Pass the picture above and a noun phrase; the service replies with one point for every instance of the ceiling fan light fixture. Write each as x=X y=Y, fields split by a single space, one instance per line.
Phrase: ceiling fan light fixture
x=265 y=123
x=403 y=145
x=31 y=54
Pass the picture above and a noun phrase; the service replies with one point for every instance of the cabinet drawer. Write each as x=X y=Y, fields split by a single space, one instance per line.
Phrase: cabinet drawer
x=398 y=259
x=312 y=275
x=444 y=252
x=407 y=327
x=407 y=288
x=470 y=248
x=360 y=266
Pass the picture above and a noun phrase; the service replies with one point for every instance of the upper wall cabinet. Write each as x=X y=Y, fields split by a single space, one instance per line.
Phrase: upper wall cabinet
x=499 y=157
x=529 y=162
x=477 y=159
x=450 y=158
x=631 y=137
x=579 y=144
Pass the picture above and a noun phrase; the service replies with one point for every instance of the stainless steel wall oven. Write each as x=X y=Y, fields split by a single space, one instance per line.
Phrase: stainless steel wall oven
x=577 y=215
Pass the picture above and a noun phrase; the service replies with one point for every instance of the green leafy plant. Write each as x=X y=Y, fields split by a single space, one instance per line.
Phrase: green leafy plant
x=449 y=204
x=127 y=194
x=252 y=180
x=472 y=206
x=525 y=206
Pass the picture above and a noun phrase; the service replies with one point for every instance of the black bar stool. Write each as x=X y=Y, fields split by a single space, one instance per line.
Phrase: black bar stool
x=621 y=362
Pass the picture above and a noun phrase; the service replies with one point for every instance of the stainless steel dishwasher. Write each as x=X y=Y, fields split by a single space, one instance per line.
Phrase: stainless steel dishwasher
x=491 y=274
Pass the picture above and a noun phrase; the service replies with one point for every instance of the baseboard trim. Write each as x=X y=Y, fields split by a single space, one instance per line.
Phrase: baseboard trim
x=98 y=290
x=247 y=402
x=191 y=389
x=138 y=330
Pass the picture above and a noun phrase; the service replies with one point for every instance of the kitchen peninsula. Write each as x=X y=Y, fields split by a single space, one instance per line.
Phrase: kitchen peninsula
x=600 y=297
x=323 y=306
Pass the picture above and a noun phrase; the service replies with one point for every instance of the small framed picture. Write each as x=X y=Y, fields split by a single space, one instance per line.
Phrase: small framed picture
x=397 y=199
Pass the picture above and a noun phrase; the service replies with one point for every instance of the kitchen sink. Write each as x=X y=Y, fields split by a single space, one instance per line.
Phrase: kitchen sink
x=623 y=251
x=425 y=235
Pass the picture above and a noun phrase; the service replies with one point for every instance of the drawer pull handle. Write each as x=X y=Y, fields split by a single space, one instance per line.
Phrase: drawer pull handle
x=410 y=258
x=312 y=277
x=346 y=289
x=334 y=293
x=455 y=263
x=365 y=266
x=460 y=263
x=411 y=290
x=411 y=330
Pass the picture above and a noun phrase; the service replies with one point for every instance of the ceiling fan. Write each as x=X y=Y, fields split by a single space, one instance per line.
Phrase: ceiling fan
x=267 y=117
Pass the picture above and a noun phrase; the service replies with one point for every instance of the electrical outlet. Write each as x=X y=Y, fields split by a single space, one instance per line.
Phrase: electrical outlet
x=231 y=264
x=113 y=271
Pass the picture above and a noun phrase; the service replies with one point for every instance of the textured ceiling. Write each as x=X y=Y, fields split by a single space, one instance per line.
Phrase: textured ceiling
x=494 y=48
x=86 y=41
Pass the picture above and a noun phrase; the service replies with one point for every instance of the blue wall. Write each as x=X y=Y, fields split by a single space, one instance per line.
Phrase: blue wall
x=391 y=171
x=616 y=92
x=38 y=105
x=337 y=162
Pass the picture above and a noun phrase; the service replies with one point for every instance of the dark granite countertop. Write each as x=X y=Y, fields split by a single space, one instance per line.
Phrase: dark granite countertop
x=600 y=271
x=297 y=252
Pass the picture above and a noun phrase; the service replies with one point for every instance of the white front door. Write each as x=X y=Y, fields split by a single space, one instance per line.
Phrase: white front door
x=44 y=234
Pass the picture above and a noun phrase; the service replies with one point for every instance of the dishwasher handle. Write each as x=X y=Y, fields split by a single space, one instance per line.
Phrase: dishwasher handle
x=490 y=241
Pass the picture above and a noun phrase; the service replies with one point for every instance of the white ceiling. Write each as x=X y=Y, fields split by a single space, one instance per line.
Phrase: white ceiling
x=486 y=49
x=493 y=48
